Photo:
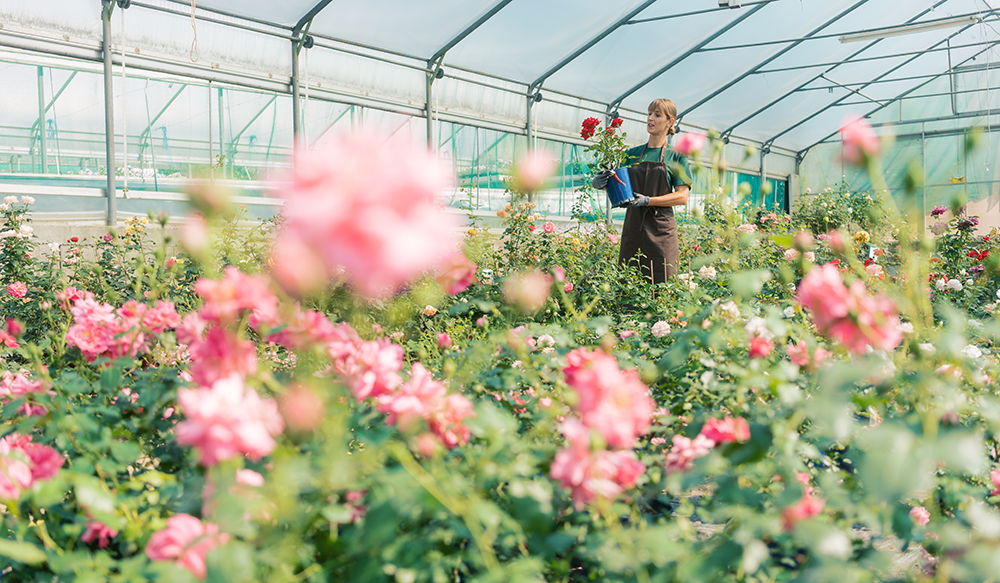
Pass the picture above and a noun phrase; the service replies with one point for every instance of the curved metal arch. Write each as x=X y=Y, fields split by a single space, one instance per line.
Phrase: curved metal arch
x=902 y=95
x=469 y=30
x=308 y=16
x=876 y=79
x=541 y=79
x=730 y=129
x=770 y=59
x=618 y=100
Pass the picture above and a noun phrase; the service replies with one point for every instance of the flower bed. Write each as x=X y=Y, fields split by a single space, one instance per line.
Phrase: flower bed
x=367 y=399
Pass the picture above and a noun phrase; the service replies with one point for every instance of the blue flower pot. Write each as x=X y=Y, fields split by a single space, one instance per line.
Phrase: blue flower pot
x=617 y=191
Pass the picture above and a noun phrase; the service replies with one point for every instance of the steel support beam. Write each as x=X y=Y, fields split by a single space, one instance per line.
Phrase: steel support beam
x=41 y=115
x=469 y=30
x=770 y=59
x=728 y=131
x=618 y=100
x=296 y=106
x=235 y=141
x=538 y=82
x=803 y=151
x=307 y=18
x=147 y=134
x=876 y=79
x=109 y=113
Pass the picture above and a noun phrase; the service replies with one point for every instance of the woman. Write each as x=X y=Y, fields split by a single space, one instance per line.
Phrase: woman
x=660 y=181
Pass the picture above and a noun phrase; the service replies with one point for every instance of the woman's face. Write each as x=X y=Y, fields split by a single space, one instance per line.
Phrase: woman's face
x=657 y=122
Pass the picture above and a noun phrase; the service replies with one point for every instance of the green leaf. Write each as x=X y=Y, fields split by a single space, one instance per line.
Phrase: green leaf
x=23 y=552
x=111 y=378
x=747 y=284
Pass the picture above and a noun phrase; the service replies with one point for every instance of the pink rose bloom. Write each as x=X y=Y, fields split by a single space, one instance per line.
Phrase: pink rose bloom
x=836 y=242
x=559 y=273
x=372 y=368
x=548 y=227
x=685 y=450
x=194 y=234
x=456 y=274
x=859 y=140
x=849 y=315
x=791 y=254
x=444 y=341
x=227 y=420
x=592 y=474
x=807 y=507
x=613 y=238
x=415 y=399
x=369 y=207
x=995 y=478
x=161 y=317
x=68 y=296
x=689 y=142
x=531 y=228
x=23 y=463
x=17 y=289
x=760 y=347
x=726 y=430
x=297 y=268
x=447 y=421
x=301 y=408
x=528 y=290
x=626 y=334
x=532 y=171
x=568 y=286
x=799 y=354
x=191 y=329
x=747 y=228
x=186 y=541
x=304 y=330
x=249 y=478
x=226 y=298
x=220 y=354
x=612 y=401
x=99 y=532
x=920 y=515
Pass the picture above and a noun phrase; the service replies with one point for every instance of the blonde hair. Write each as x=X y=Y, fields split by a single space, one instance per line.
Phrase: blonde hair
x=667 y=108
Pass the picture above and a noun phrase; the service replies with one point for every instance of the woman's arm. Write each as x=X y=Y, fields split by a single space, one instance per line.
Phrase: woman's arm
x=679 y=197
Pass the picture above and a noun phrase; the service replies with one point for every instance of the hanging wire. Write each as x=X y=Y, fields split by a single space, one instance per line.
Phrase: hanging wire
x=305 y=107
x=194 y=44
x=121 y=45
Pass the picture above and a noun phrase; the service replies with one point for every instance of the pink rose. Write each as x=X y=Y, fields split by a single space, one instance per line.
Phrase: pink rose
x=592 y=474
x=688 y=142
x=186 y=541
x=236 y=293
x=612 y=401
x=548 y=227
x=685 y=450
x=726 y=430
x=568 y=286
x=920 y=515
x=528 y=290
x=859 y=140
x=17 y=289
x=99 y=532
x=369 y=208
x=227 y=420
x=415 y=399
x=531 y=172
x=456 y=274
x=301 y=408
x=760 y=347
x=444 y=341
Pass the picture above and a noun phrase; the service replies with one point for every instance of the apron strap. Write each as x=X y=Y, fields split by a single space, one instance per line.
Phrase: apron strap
x=663 y=153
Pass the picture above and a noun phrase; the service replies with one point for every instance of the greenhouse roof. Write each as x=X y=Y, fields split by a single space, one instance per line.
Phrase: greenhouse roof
x=773 y=72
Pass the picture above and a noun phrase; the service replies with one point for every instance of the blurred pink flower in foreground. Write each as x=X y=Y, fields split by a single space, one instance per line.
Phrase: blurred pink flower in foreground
x=760 y=347
x=531 y=172
x=849 y=314
x=527 y=290
x=859 y=139
x=612 y=401
x=726 y=430
x=799 y=354
x=227 y=420
x=186 y=541
x=227 y=298
x=688 y=142
x=415 y=399
x=369 y=208
x=23 y=463
x=456 y=273
x=99 y=532
x=806 y=507
x=592 y=474
x=920 y=515
x=302 y=408
x=685 y=450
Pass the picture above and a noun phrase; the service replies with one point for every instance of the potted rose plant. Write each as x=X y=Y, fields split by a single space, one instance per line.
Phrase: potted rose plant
x=609 y=153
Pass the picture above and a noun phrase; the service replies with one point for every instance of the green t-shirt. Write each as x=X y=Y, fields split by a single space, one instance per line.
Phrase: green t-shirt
x=678 y=170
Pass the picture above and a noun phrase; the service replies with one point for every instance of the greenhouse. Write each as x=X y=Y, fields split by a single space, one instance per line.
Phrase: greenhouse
x=487 y=291
x=226 y=87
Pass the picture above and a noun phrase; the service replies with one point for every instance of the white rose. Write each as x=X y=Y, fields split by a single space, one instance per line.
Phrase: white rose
x=810 y=257
x=941 y=283
x=28 y=199
x=955 y=285
x=10 y=199
x=4 y=207
x=969 y=282
x=757 y=326
x=927 y=347
x=791 y=255
x=707 y=271
x=54 y=247
x=660 y=329
x=545 y=340
x=789 y=312
x=7 y=234
x=26 y=230
x=972 y=351
x=905 y=328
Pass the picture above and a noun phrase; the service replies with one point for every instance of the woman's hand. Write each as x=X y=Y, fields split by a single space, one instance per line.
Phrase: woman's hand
x=639 y=200
x=600 y=180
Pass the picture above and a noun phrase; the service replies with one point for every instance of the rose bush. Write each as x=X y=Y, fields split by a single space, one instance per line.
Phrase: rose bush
x=765 y=416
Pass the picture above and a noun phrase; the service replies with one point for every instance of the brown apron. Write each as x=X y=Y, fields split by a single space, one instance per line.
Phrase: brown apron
x=651 y=230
